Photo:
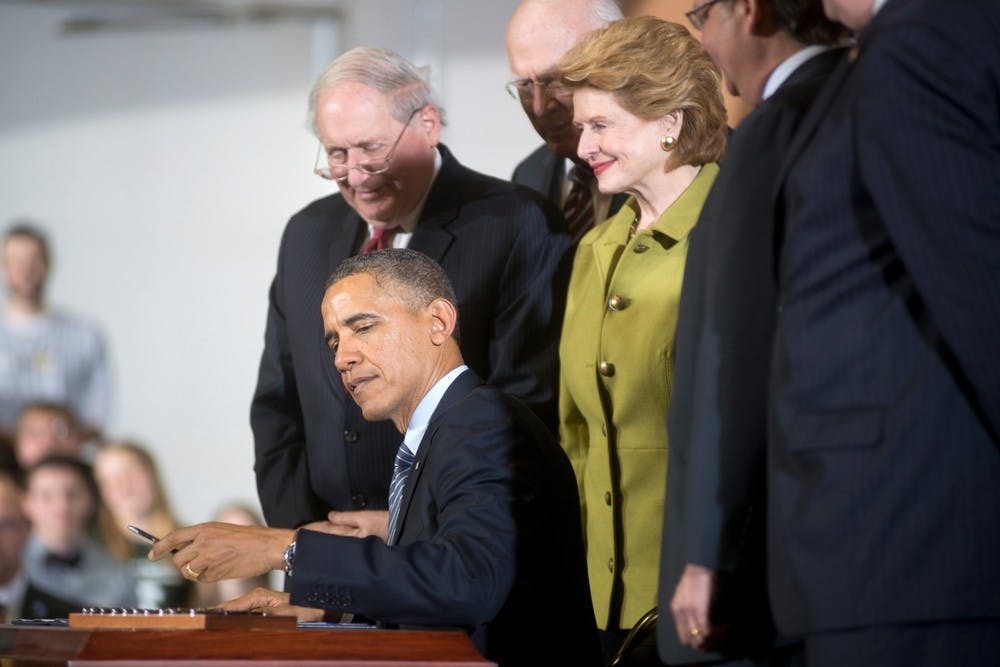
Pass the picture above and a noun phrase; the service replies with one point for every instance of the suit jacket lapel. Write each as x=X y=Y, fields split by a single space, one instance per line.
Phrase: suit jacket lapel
x=432 y=236
x=458 y=390
x=817 y=112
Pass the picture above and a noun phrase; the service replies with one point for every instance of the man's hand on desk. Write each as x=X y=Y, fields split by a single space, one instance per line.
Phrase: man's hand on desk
x=208 y=552
x=273 y=602
x=354 y=524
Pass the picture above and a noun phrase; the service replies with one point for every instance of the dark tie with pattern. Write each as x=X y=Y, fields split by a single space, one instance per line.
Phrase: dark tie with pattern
x=578 y=209
x=380 y=240
x=404 y=459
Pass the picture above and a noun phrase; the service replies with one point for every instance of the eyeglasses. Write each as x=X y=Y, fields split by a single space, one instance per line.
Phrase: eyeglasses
x=523 y=90
x=338 y=171
x=698 y=15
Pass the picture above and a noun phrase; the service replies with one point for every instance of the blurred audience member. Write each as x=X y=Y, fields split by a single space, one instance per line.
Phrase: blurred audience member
x=133 y=494
x=8 y=460
x=67 y=566
x=13 y=536
x=210 y=595
x=46 y=429
x=653 y=124
x=45 y=354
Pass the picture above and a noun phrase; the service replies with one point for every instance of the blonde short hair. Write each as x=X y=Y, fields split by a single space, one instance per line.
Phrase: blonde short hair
x=654 y=67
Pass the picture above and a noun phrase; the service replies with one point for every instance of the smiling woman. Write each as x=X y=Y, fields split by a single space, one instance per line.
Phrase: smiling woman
x=652 y=124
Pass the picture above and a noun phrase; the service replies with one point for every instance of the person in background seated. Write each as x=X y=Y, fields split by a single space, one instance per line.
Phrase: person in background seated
x=484 y=522
x=653 y=124
x=47 y=429
x=67 y=569
x=211 y=595
x=133 y=494
x=46 y=354
x=14 y=531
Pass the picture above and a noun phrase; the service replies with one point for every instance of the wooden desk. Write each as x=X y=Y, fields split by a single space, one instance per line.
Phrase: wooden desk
x=38 y=646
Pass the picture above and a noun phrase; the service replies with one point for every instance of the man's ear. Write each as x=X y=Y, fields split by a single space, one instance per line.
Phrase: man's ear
x=759 y=20
x=429 y=122
x=443 y=317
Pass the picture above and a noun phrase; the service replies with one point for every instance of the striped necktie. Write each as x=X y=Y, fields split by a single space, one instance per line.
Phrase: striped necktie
x=578 y=209
x=404 y=459
x=380 y=240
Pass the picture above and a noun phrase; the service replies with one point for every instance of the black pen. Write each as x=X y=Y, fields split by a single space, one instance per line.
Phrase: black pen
x=152 y=539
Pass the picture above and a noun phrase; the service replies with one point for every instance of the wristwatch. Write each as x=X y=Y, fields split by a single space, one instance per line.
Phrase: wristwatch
x=289 y=558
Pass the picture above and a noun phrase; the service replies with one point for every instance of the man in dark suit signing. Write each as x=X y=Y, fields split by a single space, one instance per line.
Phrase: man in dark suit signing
x=884 y=432
x=484 y=531
x=775 y=55
x=502 y=246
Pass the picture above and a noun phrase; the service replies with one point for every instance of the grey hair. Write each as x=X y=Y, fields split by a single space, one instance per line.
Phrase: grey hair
x=406 y=86
x=410 y=276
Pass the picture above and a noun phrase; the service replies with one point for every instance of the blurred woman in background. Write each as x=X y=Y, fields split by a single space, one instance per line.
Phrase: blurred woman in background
x=133 y=494
x=210 y=595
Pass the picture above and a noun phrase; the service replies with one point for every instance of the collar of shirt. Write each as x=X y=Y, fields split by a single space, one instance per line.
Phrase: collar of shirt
x=785 y=69
x=428 y=404
x=877 y=5
x=409 y=222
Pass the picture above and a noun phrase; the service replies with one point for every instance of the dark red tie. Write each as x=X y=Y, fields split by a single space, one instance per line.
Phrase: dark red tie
x=578 y=209
x=380 y=240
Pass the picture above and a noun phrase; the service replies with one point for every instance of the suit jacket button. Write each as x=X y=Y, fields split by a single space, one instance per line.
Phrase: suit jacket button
x=359 y=500
x=350 y=435
x=606 y=369
x=616 y=303
x=640 y=248
x=607 y=497
x=611 y=565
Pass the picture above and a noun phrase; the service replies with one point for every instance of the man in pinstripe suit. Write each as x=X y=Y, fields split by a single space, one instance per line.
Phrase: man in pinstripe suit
x=503 y=247
x=884 y=434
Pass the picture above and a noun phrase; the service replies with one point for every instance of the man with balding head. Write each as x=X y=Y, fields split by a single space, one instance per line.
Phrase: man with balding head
x=539 y=33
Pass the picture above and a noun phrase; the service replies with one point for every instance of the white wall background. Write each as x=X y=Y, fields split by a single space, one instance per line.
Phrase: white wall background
x=164 y=164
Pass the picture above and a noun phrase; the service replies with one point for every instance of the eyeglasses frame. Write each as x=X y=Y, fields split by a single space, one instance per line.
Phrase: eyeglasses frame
x=362 y=166
x=698 y=15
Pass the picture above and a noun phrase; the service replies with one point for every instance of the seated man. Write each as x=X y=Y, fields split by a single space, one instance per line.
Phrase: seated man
x=484 y=529
x=66 y=569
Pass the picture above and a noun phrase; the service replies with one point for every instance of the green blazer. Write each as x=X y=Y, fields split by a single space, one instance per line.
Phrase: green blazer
x=616 y=360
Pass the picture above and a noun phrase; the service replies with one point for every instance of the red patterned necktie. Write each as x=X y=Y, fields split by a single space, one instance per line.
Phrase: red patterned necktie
x=380 y=240
x=578 y=209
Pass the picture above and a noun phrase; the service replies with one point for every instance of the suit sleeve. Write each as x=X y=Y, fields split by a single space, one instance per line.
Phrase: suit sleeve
x=461 y=572
x=524 y=349
x=281 y=460
x=928 y=118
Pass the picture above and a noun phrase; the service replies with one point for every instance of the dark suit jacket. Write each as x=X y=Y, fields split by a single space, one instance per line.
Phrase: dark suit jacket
x=504 y=249
x=714 y=510
x=884 y=503
x=543 y=172
x=489 y=540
